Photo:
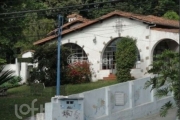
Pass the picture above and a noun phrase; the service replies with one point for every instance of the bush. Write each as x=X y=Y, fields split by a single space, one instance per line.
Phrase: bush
x=79 y=72
x=126 y=56
x=46 y=72
x=14 y=82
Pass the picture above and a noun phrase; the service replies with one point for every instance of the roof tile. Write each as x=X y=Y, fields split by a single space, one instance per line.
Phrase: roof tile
x=150 y=19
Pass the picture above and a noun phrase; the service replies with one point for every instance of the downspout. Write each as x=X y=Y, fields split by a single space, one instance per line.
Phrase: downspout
x=150 y=26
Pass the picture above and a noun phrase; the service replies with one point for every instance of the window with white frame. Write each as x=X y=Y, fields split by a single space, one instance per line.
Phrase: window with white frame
x=108 y=58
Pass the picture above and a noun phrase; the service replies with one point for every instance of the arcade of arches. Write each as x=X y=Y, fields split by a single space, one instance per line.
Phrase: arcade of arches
x=110 y=50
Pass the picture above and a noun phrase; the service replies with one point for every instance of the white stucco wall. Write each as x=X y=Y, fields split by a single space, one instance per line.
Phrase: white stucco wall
x=24 y=72
x=20 y=69
x=11 y=67
x=105 y=32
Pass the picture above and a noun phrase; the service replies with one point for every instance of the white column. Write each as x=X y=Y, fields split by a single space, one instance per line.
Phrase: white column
x=17 y=67
x=23 y=72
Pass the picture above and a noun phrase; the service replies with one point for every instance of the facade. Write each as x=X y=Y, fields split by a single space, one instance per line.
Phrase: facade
x=22 y=68
x=95 y=40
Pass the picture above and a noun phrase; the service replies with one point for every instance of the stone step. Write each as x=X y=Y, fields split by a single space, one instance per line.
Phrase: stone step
x=110 y=77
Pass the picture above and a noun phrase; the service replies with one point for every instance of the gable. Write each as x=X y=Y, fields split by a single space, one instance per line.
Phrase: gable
x=150 y=19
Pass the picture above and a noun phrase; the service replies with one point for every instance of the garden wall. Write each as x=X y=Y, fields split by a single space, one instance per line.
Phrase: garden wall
x=124 y=101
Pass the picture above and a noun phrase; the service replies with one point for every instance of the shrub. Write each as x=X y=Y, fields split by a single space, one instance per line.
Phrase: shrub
x=79 y=72
x=126 y=56
x=166 y=79
x=14 y=82
x=46 y=71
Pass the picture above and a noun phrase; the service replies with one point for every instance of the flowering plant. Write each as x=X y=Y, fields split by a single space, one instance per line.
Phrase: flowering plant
x=79 y=72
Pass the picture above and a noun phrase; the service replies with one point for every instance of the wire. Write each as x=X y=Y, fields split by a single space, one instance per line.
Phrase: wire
x=66 y=9
x=89 y=32
x=50 y=9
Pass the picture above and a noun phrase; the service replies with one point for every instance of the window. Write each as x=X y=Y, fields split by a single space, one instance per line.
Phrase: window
x=77 y=53
x=108 y=58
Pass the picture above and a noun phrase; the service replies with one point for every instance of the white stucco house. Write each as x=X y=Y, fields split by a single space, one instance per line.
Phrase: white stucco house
x=21 y=67
x=95 y=40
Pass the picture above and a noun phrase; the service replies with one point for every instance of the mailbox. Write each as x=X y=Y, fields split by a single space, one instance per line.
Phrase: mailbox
x=65 y=108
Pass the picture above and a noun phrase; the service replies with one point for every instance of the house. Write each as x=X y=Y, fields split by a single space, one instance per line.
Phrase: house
x=95 y=40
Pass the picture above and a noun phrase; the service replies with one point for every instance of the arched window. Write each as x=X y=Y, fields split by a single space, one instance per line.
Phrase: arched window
x=108 y=58
x=77 y=53
x=166 y=44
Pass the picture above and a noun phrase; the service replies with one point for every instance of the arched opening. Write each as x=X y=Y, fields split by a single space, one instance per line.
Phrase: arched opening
x=166 y=44
x=77 y=53
x=108 y=57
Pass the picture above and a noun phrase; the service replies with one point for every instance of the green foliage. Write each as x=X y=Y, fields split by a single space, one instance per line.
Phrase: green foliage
x=12 y=38
x=2 y=61
x=171 y=15
x=126 y=55
x=15 y=80
x=165 y=108
x=36 y=29
x=46 y=57
x=165 y=70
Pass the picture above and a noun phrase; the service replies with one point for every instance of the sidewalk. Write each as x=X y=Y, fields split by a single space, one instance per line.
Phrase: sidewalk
x=170 y=116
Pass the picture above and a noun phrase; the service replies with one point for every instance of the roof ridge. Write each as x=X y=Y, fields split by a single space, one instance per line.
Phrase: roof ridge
x=148 y=19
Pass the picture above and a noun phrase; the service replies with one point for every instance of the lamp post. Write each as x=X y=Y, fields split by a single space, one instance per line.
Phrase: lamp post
x=60 y=23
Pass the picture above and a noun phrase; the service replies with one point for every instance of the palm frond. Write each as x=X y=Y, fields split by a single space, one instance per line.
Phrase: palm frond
x=165 y=108
x=162 y=92
x=5 y=75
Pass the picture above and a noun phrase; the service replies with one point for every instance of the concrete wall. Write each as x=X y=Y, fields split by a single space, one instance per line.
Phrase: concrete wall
x=10 y=67
x=124 y=101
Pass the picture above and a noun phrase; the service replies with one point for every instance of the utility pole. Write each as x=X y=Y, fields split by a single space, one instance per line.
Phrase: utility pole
x=60 y=23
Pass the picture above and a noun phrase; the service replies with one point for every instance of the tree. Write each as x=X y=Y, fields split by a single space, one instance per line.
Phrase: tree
x=171 y=15
x=46 y=58
x=2 y=61
x=13 y=25
x=36 y=29
x=166 y=78
x=126 y=56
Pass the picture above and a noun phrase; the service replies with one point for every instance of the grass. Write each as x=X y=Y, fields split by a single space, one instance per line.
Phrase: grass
x=21 y=95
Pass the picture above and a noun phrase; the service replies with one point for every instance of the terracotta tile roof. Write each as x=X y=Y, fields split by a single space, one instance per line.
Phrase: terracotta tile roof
x=83 y=20
x=166 y=30
x=78 y=20
x=150 y=19
x=45 y=39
